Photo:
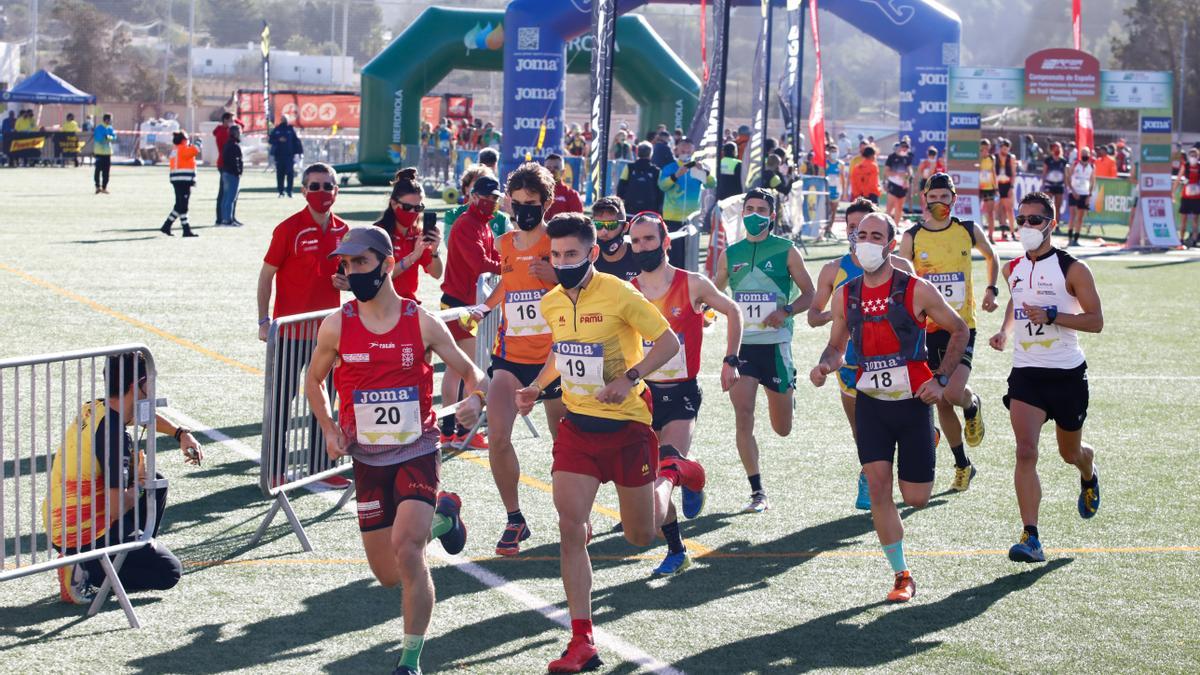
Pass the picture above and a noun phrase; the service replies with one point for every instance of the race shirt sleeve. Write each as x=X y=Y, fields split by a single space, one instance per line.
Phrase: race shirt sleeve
x=278 y=252
x=641 y=314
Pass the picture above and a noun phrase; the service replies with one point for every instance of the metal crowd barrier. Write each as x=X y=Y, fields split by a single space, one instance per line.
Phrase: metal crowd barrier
x=47 y=404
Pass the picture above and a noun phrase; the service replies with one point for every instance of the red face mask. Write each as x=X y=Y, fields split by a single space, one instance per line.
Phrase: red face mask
x=405 y=219
x=320 y=201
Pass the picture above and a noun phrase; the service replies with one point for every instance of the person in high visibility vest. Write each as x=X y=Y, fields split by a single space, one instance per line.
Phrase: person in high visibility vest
x=183 y=179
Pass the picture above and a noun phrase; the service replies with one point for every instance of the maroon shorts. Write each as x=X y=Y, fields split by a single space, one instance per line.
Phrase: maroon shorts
x=627 y=457
x=380 y=489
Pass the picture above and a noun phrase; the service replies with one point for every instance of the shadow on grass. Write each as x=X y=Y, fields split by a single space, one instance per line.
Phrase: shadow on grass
x=111 y=240
x=836 y=641
x=51 y=609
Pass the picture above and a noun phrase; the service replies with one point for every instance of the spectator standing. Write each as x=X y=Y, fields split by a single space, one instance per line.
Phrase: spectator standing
x=864 y=176
x=490 y=158
x=102 y=139
x=729 y=172
x=231 y=177
x=1106 y=166
x=305 y=279
x=285 y=147
x=662 y=150
x=9 y=124
x=576 y=145
x=681 y=182
x=844 y=146
x=491 y=138
x=1122 y=156
x=1081 y=183
x=413 y=246
x=500 y=222
x=621 y=150
x=70 y=126
x=221 y=137
x=1189 y=204
x=566 y=199
x=638 y=185
x=183 y=179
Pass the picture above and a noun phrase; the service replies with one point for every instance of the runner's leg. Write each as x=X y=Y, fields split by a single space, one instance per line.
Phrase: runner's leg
x=1027 y=424
x=742 y=396
x=780 y=406
x=506 y=467
x=574 y=495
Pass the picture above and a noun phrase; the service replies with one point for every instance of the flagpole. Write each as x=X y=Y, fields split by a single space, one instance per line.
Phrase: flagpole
x=191 y=112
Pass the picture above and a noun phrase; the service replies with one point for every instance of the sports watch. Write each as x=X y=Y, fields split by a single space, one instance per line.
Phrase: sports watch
x=732 y=360
x=942 y=380
x=633 y=375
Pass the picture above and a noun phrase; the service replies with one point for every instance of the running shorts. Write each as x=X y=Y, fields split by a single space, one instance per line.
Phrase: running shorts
x=1079 y=201
x=937 y=341
x=674 y=401
x=380 y=489
x=1005 y=190
x=987 y=195
x=621 y=451
x=847 y=379
x=899 y=432
x=771 y=365
x=526 y=373
x=1061 y=394
x=896 y=190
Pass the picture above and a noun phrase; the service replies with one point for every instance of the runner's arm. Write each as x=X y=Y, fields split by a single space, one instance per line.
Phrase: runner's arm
x=437 y=338
x=929 y=302
x=834 y=354
x=817 y=314
x=901 y=263
x=708 y=294
x=722 y=279
x=989 y=255
x=265 y=276
x=323 y=357
x=906 y=246
x=1082 y=285
x=802 y=279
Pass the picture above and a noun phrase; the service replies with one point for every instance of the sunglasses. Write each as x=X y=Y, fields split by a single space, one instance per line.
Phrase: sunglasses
x=609 y=225
x=321 y=187
x=1035 y=221
x=411 y=207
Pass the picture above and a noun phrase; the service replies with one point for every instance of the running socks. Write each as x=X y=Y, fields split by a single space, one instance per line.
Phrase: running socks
x=671 y=534
x=411 y=656
x=668 y=451
x=960 y=455
x=971 y=411
x=755 y=482
x=441 y=525
x=895 y=556
x=1093 y=483
x=1032 y=530
x=515 y=518
x=582 y=628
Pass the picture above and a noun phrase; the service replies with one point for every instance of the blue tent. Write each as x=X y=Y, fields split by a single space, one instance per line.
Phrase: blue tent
x=46 y=87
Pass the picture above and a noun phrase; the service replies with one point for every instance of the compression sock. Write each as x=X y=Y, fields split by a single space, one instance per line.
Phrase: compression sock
x=441 y=525
x=1032 y=530
x=971 y=411
x=411 y=656
x=515 y=518
x=755 y=482
x=895 y=556
x=582 y=627
x=671 y=534
x=960 y=456
x=1089 y=483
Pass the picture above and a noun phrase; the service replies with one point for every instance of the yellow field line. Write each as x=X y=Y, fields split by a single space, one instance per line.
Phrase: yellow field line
x=712 y=554
x=698 y=549
x=108 y=311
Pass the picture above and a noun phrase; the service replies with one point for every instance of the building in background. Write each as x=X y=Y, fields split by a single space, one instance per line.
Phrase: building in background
x=286 y=66
x=10 y=64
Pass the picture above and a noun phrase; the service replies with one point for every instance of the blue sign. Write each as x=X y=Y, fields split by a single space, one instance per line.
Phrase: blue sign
x=1156 y=125
x=964 y=120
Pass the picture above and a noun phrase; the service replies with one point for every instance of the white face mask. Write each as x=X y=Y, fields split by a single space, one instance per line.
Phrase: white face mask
x=870 y=256
x=1032 y=238
x=685 y=158
x=1193 y=160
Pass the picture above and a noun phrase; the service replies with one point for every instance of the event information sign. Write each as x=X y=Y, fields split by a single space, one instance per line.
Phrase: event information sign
x=1062 y=78
x=988 y=86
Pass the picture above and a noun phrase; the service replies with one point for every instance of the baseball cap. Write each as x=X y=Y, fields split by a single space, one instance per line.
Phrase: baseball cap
x=940 y=181
x=487 y=187
x=363 y=238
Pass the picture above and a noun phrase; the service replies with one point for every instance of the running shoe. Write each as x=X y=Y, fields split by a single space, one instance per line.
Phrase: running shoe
x=691 y=474
x=673 y=564
x=447 y=441
x=1089 y=497
x=962 y=477
x=863 y=501
x=510 y=541
x=973 y=426
x=1028 y=550
x=691 y=501
x=904 y=589
x=73 y=586
x=337 y=482
x=449 y=505
x=758 y=503
x=579 y=656
x=477 y=442
x=402 y=670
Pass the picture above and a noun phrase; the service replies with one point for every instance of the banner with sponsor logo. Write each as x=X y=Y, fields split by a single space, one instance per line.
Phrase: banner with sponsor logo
x=703 y=129
x=604 y=19
x=303 y=110
x=752 y=163
x=1153 y=222
x=1113 y=202
x=816 y=110
x=534 y=70
x=1062 y=78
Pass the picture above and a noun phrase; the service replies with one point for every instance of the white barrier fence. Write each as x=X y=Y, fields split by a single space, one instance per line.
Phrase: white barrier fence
x=55 y=496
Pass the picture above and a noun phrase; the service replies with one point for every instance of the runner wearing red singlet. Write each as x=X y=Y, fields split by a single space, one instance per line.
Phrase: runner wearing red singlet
x=884 y=311
x=681 y=297
x=381 y=344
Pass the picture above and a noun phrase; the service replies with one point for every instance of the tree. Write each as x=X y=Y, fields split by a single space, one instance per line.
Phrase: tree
x=1153 y=41
x=90 y=51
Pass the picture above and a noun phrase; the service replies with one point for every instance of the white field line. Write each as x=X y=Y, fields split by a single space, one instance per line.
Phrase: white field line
x=493 y=581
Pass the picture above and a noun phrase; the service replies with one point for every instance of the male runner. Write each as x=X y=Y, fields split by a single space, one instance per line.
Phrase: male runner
x=763 y=271
x=616 y=257
x=681 y=297
x=380 y=344
x=833 y=276
x=1053 y=298
x=523 y=337
x=899 y=177
x=598 y=323
x=884 y=311
x=1054 y=175
x=940 y=250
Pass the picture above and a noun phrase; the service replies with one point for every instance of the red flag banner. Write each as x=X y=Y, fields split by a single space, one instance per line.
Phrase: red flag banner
x=1084 y=134
x=816 y=107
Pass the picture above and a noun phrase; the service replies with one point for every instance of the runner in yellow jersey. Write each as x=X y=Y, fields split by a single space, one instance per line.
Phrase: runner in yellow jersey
x=940 y=251
x=598 y=324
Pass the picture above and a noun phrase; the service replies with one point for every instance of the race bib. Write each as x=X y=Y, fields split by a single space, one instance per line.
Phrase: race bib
x=755 y=308
x=1081 y=183
x=898 y=180
x=1192 y=190
x=523 y=313
x=952 y=286
x=1032 y=337
x=885 y=378
x=387 y=416
x=675 y=369
x=1054 y=176
x=987 y=177
x=581 y=366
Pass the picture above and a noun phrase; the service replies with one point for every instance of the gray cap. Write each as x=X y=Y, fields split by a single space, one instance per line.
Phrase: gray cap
x=360 y=239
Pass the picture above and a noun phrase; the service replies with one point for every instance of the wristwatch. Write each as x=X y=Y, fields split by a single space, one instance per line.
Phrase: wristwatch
x=995 y=291
x=733 y=361
x=633 y=375
x=1051 y=314
x=941 y=379
x=787 y=309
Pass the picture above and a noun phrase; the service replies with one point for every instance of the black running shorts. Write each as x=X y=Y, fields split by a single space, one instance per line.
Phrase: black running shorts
x=674 y=401
x=896 y=431
x=1061 y=394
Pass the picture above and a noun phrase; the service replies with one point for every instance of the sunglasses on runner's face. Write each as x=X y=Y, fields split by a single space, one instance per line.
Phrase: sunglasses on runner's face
x=1036 y=221
x=609 y=225
x=319 y=187
x=411 y=207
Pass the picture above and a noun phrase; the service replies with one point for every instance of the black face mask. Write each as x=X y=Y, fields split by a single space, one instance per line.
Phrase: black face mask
x=365 y=285
x=649 y=260
x=571 y=277
x=527 y=216
x=613 y=245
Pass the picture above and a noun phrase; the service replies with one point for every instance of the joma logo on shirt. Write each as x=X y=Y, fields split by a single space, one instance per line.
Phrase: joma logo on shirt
x=591 y=318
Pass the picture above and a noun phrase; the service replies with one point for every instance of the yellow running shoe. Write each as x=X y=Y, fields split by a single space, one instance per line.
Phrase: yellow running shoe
x=973 y=427
x=962 y=478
